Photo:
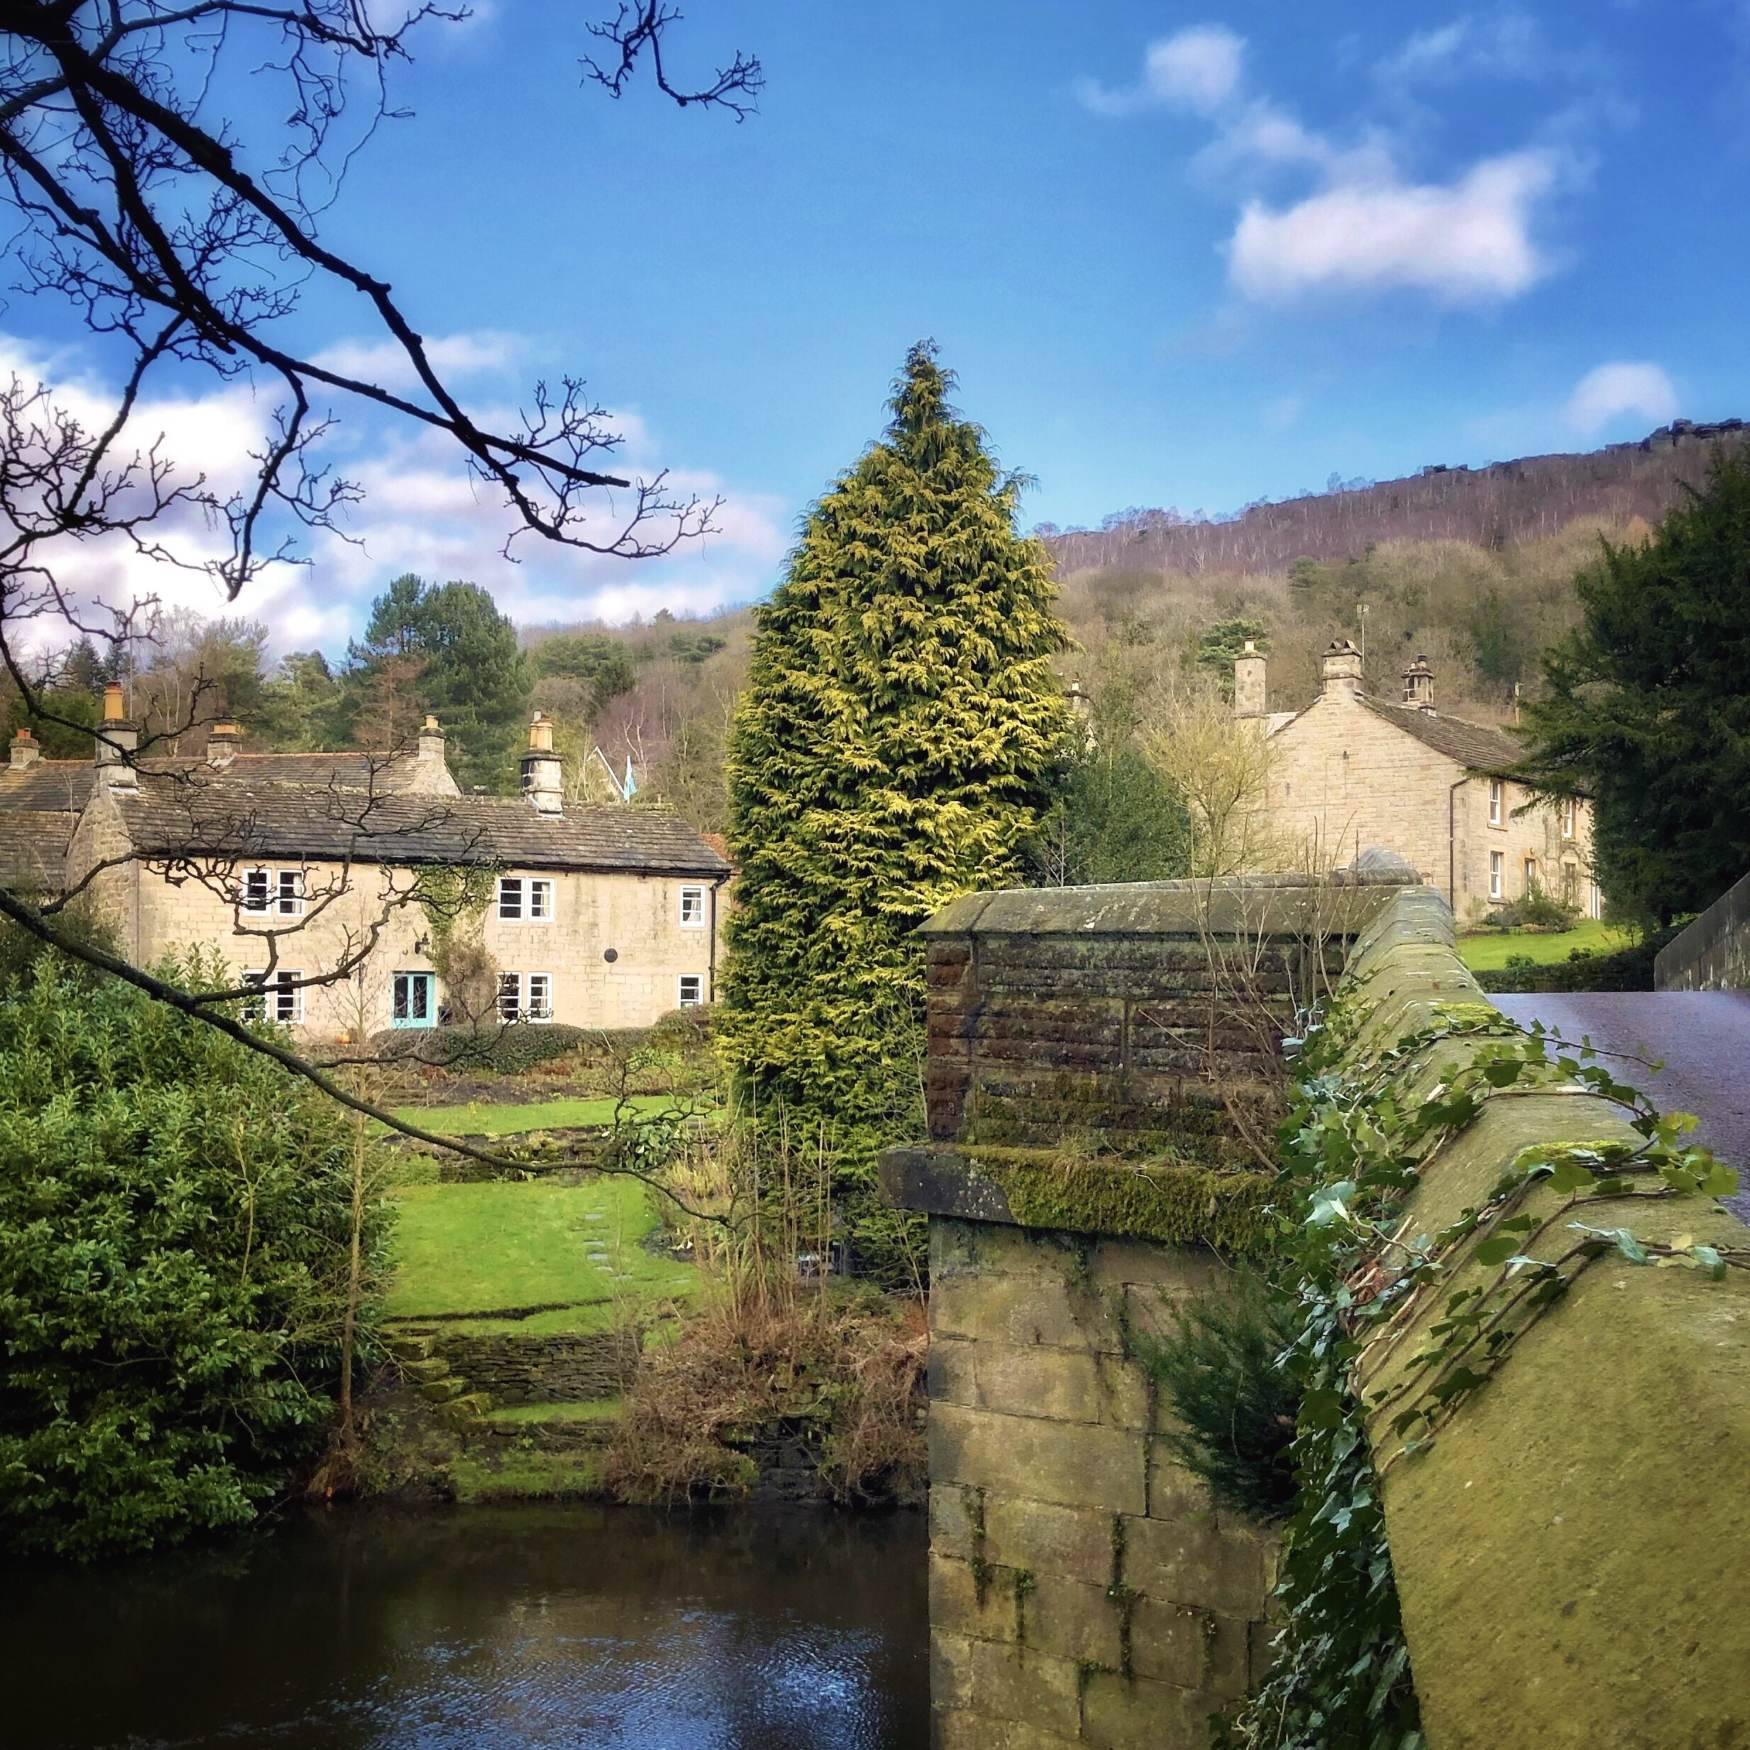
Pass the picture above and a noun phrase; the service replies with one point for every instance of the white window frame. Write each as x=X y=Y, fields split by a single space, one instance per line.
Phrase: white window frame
x=692 y=899
x=288 y=1004
x=1497 y=875
x=534 y=899
x=697 y=999
x=1570 y=818
x=519 y=988
x=1528 y=867
x=1497 y=801
x=282 y=892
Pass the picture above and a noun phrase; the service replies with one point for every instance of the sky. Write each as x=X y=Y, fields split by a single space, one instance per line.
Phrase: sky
x=1177 y=256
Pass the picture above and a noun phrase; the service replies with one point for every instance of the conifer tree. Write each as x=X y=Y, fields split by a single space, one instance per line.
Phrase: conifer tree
x=1647 y=705
x=891 y=752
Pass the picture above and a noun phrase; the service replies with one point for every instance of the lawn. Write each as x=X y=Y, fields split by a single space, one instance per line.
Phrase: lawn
x=492 y=1248
x=484 y=1118
x=1490 y=950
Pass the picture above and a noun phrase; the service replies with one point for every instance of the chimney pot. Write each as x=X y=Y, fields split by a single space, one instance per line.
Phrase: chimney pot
x=1419 y=685
x=222 y=740
x=114 y=710
x=543 y=775
x=1342 y=670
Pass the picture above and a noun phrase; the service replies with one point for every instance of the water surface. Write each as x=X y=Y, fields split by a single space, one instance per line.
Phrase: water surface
x=612 y=1628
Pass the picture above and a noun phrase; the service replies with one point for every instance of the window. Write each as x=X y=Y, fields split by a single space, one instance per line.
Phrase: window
x=525 y=996
x=1530 y=875
x=276 y=891
x=1497 y=797
x=525 y=899
x=1570 y=818
x=411 y=1003
x=1497 y=874
x=692 y=990
x=284 y=1002
x=692 y=908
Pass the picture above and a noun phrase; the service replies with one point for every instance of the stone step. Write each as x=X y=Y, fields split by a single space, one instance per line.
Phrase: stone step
x=424 y=1368
x=469 y=1407
x=443 y=1391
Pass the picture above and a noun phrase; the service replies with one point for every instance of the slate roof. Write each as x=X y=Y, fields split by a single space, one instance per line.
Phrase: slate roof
x=33 y=848
x=236 y=816
x=1475 y=747
x=67 y=783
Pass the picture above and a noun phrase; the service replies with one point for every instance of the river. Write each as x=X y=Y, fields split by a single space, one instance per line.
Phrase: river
x=613 y=1628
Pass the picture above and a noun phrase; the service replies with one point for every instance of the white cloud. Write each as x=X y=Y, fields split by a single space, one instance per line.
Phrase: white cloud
x=385 y=363
x=1612 y=391
x=1467 y=241
x=422 y=511
x=1500 y=45
x=1196 y=69
x=1283 y=413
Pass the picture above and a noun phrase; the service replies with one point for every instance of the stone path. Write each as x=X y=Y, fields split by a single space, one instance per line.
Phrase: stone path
x=1701 y=1037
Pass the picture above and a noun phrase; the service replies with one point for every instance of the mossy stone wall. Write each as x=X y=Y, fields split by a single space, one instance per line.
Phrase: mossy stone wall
x=1573 y=1550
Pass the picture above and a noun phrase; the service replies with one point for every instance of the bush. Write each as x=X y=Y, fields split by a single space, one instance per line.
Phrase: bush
x=174 y=1219
x=493 y=1047
x=1234 y=1406
x=1536 y=911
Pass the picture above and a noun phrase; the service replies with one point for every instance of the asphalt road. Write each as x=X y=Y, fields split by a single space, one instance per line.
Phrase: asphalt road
x=1701 y=1037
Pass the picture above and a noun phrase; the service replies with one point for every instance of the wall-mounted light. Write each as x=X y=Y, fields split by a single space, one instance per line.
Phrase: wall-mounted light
x=422 y=945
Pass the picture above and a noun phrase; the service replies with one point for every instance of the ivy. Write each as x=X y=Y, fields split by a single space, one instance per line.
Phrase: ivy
x=1354 y=1146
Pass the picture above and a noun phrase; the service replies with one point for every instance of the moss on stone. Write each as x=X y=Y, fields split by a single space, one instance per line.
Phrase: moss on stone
x=1171 y=1201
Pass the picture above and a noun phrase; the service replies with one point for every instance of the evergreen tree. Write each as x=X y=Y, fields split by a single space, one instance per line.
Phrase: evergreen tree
x=1647 y=709
x=891 y=751
x=443 y=648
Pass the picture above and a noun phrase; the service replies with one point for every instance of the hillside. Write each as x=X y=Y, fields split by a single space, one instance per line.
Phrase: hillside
x=1472 y=567
x=1522 y=500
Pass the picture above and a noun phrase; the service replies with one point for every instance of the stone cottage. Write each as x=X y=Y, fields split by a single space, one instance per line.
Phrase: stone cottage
x=296 y=867
x=1349 y=772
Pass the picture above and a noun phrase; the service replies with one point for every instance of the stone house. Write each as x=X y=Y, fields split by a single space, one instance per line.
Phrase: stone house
x=1350 y=772
x=295 y=866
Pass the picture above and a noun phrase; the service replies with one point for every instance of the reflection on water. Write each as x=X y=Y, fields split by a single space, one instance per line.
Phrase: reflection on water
x=603 y=1627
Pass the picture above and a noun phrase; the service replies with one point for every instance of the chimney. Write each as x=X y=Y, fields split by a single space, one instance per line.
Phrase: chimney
x=1419 y=685
x=1249 y=682
x=431 y=743
x=116 y=740
x=24 y=752
x=1342 y=669
x=543 y=776
x=1081 y=709
x=223 y=740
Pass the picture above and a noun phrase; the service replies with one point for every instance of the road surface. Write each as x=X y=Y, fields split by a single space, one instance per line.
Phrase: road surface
x=1701 y=1037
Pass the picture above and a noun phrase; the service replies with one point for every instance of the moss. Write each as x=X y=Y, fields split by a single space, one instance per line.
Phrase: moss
x=1170 y=1201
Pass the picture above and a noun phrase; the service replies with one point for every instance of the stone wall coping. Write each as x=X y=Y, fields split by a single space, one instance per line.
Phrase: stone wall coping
x=1253 y=905
x=1684 y=963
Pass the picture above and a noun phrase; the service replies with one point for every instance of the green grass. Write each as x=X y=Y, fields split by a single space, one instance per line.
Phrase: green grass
x=1489 y=950
x=484 y=1248
x=485 y=1118
x=596 y=1410
x=525 y=1476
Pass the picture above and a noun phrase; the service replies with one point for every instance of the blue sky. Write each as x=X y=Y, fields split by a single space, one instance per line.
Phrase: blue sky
x=1177 y=255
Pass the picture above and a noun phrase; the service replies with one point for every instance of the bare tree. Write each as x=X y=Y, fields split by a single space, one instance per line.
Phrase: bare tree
x=187 y=240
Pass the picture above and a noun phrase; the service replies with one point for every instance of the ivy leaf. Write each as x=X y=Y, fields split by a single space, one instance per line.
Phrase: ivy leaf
x=1570 y=1176
x=1709 y=1260
x=1719 y=1180
x=1497 y=1248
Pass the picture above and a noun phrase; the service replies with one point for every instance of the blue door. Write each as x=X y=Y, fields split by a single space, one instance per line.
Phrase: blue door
x=414 y=1004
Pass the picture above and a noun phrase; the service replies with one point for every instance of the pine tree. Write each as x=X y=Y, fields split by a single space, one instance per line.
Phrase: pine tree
x=1647 y=705
x=891 y=752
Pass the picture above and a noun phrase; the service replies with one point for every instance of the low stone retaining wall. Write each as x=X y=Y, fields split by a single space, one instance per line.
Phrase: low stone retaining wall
x=538 y=1370
x=1713 y=953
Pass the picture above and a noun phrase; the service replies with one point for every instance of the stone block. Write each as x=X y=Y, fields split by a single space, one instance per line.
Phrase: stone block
x=1194 y=1562
x=1173 y=1492
x=1073 y=1543
x=1074 y=1465
x=1133 y=1713
x=952 y=1510
x=1191 y=1648
x=1261 y=1651
x=1022 y=1613
x=1023 y=1683
x=963 y=1730
x=1023 y=1311
x=1060 y=1385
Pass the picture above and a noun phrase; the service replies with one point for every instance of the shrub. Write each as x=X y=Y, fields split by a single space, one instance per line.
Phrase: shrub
x=494 y=1047
x=174 y=1218
x=1536 y=911
x=1584 y=969
x=1234 y=1405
